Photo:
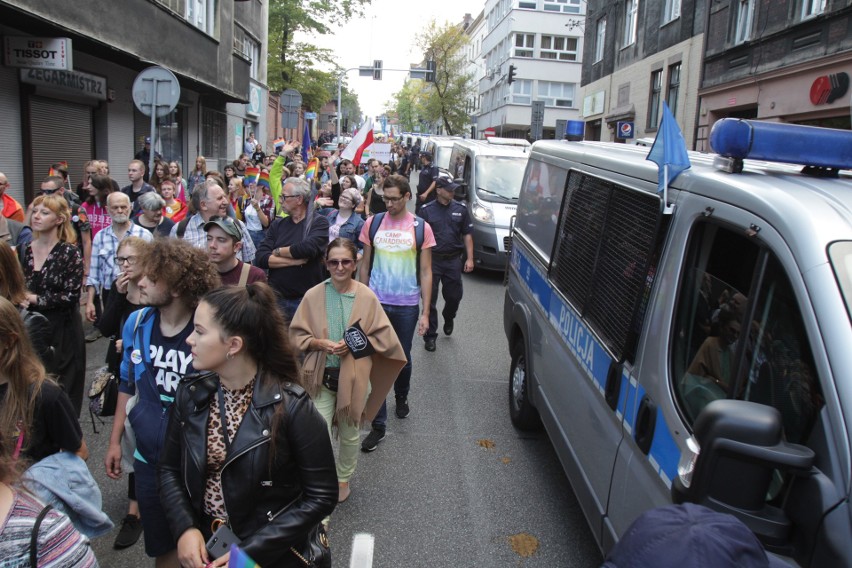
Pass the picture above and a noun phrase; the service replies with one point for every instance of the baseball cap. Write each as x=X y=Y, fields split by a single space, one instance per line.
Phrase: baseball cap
x=226 y=224
x=689 y=536
x=446 y=183
x=147 y=140
x=426 y=155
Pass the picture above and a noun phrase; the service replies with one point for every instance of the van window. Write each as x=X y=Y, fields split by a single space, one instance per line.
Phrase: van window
x=607 y=243
x=840 y=254
x=499 y=178
x=740 y=334
x=538 y=205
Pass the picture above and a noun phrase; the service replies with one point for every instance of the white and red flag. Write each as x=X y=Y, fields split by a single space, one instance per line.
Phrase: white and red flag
x=362 y=140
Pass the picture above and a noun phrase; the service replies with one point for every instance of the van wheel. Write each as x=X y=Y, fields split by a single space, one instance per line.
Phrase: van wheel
x=523 y=414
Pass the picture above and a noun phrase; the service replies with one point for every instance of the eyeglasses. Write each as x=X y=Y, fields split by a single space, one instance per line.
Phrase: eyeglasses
x=130 y=260
x=387 y=199
x=334 y=263
x=285 y=196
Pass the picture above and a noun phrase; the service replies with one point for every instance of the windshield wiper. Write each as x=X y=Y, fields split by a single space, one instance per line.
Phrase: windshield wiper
x=489 y=192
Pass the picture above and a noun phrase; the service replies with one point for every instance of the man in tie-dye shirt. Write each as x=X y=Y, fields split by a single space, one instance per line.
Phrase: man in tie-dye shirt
x=392 y=253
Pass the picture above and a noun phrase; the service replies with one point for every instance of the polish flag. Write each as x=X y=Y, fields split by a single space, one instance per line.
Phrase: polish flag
x=362 y=140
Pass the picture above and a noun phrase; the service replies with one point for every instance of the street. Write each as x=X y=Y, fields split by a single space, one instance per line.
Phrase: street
x=454 y=484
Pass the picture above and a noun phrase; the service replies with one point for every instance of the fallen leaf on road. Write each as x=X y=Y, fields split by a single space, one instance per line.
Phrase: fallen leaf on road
x=486 y=443
x=505 y=459
x=523 y=544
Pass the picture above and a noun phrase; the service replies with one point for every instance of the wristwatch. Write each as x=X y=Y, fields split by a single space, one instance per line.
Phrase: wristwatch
x=276 y=251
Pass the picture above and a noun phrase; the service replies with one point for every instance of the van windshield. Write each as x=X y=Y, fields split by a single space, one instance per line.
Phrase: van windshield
x=840 y=254
x=499 y=178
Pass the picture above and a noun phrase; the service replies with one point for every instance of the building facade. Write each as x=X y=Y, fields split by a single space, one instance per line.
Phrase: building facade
x=783 y=61
x=475 y=30
x=543 y=41
x=215 y=48
x=638 y=54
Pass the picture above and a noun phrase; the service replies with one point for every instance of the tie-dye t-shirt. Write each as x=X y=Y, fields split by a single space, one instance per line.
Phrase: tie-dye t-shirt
x=394 y=274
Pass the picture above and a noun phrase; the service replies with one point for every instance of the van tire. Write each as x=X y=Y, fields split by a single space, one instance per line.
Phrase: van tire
x=523 y=414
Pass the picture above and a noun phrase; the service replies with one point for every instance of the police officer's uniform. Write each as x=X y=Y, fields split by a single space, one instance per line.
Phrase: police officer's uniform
x=449 y=224
x=428 y=174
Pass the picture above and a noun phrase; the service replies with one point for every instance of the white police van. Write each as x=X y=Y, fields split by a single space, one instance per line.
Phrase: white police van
x=703 y=355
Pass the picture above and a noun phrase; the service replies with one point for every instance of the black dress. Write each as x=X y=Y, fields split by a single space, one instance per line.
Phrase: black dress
x=58 y=285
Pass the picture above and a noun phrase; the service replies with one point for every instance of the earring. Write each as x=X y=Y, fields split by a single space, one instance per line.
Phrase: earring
x=229 y=355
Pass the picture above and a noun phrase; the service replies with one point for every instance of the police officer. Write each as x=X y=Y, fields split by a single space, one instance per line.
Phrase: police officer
x=426 y=182
x=453 y=229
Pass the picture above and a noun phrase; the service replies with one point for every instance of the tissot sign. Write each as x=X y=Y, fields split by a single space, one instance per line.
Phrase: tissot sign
x=38 y=52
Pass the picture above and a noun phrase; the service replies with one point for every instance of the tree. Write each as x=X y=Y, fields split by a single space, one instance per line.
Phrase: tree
x=453 y=86
x=407 y=104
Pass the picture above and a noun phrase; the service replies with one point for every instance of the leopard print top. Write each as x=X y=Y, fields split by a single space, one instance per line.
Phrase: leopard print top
x=236 y=405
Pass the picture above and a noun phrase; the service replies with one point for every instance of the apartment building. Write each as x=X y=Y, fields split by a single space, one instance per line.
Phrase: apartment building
x=84 y=108
x=542 y=40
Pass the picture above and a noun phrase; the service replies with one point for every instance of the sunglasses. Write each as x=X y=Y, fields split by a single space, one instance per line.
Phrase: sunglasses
x=334 y=263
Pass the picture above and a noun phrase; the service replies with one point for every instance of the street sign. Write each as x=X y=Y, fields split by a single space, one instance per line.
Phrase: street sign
x=310 y=116
x=156 y=88
x=537 y=121
x=290 y=100
x=290 y=119
x=625 y=129
x=489 y=132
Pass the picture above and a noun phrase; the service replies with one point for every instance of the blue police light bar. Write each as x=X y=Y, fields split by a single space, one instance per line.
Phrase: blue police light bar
x=778 y=142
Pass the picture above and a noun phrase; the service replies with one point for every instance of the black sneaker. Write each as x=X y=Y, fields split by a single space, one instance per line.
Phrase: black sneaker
x=430 y=344
x=131 y=530
x=372 y=440
x=448 y=326
x=402 y=409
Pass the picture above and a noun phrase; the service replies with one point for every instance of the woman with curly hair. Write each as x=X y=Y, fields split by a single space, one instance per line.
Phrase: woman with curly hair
x=155 y=358
x=53 y=270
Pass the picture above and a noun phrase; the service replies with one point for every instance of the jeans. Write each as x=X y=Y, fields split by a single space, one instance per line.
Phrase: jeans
x=257 y=237
x=404 y=322
x=288 y=307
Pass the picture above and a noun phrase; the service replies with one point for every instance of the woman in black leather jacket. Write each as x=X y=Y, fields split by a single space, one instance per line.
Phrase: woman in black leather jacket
x=270 y=473
x=13 y=288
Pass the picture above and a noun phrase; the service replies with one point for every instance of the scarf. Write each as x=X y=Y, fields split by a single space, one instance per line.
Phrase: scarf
x=375 y=374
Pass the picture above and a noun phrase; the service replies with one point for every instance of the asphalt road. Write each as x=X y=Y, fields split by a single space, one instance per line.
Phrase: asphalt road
x=454 y=484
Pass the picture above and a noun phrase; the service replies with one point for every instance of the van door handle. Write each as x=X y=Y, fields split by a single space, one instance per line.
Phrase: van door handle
x=646 y=421
x=612 y=388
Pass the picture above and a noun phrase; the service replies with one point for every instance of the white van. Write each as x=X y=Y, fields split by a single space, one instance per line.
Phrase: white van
x=441 y=147
x=490 y=178
x=695 y=356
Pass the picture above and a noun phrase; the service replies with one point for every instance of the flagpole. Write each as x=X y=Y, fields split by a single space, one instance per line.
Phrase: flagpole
x=667 y=209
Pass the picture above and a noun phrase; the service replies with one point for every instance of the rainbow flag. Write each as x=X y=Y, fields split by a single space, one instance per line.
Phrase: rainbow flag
x=239 y=559
x=311 y=171
x=278 y=143
x=251 y=175
x=53 y=172
x=263 y=179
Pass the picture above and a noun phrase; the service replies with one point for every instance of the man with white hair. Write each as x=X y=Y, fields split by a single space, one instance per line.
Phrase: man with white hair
x=105 y=268
x=210 y=200
x=294 y=246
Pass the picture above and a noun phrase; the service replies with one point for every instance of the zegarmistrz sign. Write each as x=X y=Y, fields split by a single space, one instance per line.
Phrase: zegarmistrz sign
x=73 y=82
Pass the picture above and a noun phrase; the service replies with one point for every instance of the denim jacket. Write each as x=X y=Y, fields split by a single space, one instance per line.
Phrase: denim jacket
x=351 y=229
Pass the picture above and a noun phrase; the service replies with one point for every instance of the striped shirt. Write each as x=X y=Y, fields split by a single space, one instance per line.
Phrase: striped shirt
x=59 y=543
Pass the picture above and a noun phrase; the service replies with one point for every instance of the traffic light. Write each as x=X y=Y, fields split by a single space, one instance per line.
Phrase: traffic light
x=512 y=71
x=377 y=70
x=430 y=71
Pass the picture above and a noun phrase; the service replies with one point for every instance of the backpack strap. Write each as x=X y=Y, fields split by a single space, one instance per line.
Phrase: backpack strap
x=244 y=275
x=34 y=535
x=374 y=228
x=181 y=230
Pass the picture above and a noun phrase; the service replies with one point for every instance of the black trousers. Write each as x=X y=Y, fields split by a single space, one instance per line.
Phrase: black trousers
x=446 y=272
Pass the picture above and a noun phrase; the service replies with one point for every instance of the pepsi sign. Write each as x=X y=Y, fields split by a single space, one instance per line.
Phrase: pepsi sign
x=625 y=129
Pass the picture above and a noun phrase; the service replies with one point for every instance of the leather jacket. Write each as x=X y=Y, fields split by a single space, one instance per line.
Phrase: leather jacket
x=271 y=507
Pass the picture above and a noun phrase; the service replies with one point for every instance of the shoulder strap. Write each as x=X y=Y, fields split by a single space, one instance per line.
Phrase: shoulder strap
x=244 y=275
x=374 y=228
x=34 y=535
x=419 y=236
x=181 y=230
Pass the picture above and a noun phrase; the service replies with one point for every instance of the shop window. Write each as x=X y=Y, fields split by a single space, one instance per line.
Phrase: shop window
x=739 y=332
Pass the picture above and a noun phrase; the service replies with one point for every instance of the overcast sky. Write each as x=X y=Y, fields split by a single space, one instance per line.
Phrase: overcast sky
x=387 y=32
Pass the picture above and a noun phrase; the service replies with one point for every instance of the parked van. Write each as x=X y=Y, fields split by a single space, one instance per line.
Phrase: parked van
x=490 y=178
x=440 y=147
x=702 y=355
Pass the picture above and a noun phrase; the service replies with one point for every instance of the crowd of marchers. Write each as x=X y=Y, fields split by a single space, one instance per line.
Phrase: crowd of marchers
x=256 y=317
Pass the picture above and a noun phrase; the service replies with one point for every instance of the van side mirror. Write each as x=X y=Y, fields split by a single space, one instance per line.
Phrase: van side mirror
x=735 y=448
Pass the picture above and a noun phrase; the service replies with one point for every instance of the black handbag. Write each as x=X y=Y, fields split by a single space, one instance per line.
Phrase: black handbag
x=315 y=552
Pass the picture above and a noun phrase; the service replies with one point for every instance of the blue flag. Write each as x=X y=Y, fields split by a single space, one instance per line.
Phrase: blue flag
x=306 y=143
x=669 y=150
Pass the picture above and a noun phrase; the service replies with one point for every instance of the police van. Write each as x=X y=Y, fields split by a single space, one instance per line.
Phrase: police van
x=694 y=350
x=490 y=178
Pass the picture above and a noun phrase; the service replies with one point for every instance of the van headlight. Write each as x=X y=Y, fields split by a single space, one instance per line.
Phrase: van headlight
x=483 y=213
x=688 y=459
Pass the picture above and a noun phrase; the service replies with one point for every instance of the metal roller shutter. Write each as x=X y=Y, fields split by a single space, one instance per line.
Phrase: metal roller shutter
x=11 y=155
x=60 y=131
